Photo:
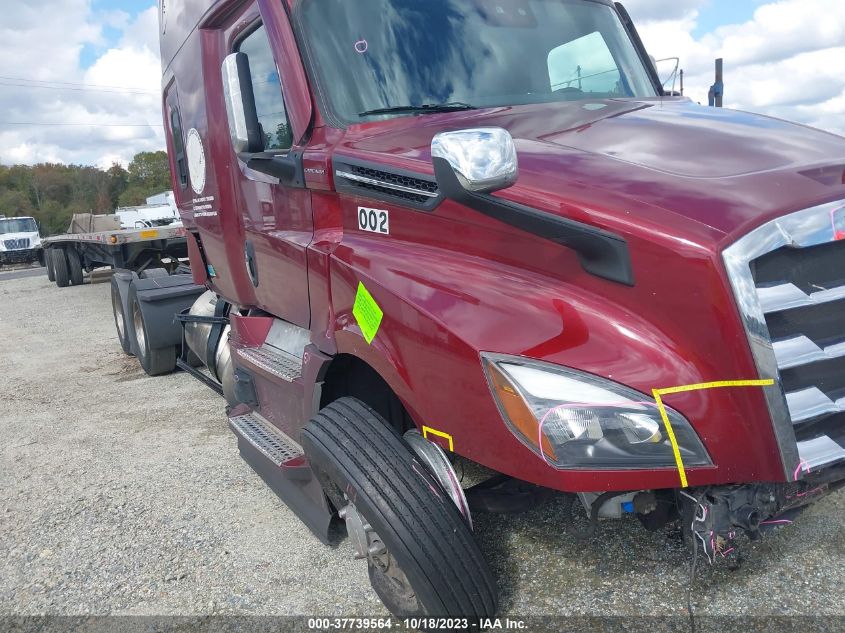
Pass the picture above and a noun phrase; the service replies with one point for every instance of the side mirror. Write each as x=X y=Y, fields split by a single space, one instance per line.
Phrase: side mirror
x=244 y=127
x=482 y=159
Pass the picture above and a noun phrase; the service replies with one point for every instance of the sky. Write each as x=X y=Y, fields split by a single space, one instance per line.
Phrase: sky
x=80 y=79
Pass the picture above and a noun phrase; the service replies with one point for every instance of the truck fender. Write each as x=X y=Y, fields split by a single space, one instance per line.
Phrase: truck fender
x=160 y=299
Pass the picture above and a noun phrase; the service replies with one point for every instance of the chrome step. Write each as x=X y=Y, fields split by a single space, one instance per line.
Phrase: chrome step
x=273 y=361
x=266 y=438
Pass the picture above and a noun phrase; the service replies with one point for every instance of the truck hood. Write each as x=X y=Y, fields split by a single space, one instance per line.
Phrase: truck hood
x=721 y=169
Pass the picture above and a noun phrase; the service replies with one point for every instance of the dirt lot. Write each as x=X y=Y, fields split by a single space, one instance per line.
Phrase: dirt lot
x=125 y=494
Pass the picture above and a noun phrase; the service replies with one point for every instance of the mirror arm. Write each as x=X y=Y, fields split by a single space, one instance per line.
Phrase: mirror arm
x=287 y=168
x=601 y=253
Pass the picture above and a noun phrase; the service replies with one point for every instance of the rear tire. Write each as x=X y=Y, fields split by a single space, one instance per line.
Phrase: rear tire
x=156 y=362
x=120 y=321
x=74 y=266
x=48 y=262
x=365 y=467
x=60 y=267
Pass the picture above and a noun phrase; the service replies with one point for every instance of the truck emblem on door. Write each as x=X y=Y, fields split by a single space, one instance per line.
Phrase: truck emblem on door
x=196 y=160
x=374 y=220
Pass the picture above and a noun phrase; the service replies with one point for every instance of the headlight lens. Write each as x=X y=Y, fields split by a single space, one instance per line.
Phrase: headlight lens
x=577 y=420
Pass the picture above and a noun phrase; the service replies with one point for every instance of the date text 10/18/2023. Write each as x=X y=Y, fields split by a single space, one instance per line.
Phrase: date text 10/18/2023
x=413 y=624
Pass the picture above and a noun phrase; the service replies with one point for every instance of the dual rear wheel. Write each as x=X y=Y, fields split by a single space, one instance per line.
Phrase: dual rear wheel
x=64 y=266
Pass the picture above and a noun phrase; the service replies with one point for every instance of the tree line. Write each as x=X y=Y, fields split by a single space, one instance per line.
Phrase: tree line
x=52 y=193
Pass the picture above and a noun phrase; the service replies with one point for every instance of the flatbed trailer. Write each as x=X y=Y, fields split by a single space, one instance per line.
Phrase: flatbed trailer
x=68 y=257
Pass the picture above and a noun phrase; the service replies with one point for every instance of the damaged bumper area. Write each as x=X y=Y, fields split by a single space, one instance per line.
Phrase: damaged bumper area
x=713 y=517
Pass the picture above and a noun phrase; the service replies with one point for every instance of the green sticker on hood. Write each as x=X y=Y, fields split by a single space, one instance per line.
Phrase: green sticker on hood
x=367 y=313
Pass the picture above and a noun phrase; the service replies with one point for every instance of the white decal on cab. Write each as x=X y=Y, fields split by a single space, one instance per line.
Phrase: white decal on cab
x=374 y=220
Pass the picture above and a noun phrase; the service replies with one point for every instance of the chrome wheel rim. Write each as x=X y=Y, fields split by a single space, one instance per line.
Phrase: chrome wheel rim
x=117 y=308
x=368 y=545
x=140 y=336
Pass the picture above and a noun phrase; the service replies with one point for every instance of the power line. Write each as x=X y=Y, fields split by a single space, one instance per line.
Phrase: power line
x=36 y=123
x=70 y=83
x=126 y=91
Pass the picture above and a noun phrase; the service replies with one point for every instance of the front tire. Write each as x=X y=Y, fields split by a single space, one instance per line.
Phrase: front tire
x=428 y=562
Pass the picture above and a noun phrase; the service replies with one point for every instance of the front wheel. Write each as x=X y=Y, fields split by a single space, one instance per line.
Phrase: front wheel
x=423 y=560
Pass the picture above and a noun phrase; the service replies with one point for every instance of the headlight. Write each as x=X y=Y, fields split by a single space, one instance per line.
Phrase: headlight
x=577 y=420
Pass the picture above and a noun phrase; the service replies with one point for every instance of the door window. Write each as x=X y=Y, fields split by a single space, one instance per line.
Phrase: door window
x=178 y=147
x=269 y=102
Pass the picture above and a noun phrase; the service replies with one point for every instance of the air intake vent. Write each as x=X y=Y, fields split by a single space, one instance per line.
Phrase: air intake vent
x=369 y=181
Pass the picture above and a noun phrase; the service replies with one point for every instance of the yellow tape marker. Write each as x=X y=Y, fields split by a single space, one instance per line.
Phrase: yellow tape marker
x=658 y=393
x=367 y=312
x=147 y=235
x=427 y=429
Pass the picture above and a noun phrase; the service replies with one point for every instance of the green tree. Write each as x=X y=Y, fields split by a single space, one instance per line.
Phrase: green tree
x=150 y=171
x=118 y=182
x=52 y=193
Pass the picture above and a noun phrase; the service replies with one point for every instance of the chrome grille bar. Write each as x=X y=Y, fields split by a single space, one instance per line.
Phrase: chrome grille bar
x=811 y=403
x=800 y=350
x=386 y=185
x=789 y=296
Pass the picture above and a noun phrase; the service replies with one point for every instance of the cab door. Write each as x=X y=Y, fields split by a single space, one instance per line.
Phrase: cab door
x=276 y=217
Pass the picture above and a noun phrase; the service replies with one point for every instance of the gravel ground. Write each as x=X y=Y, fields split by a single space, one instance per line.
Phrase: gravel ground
x=123 y=494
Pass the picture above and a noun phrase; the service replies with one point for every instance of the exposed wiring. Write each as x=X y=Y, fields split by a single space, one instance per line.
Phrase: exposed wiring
x=690 y=584
x=694 y=561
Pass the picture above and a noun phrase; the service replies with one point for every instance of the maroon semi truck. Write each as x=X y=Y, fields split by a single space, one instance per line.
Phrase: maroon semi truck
x=481 y=228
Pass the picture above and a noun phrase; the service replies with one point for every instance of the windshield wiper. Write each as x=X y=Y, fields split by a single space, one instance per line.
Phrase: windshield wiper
x=454 y=106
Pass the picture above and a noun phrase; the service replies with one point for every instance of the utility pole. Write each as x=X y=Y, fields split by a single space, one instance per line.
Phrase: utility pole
x=717 y=90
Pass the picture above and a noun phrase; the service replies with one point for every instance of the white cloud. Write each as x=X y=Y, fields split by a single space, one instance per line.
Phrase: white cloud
x=788 y=61
x=43 y=40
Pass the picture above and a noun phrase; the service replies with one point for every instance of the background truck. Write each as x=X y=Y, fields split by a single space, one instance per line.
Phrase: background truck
x=419 y=231
x=20 y=241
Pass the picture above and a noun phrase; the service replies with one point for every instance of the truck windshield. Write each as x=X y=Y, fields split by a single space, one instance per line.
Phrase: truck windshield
x=18 y=225
x=414 y=57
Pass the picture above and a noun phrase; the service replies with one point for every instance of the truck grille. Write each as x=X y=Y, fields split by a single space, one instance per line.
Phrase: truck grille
x=789 y=278
x=16 y=245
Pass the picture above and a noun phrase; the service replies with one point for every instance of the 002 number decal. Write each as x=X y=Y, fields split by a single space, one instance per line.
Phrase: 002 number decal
x=374 y=220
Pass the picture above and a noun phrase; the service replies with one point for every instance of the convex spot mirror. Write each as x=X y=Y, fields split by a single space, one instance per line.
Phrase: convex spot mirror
x=244 y=127
x=483 y=159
